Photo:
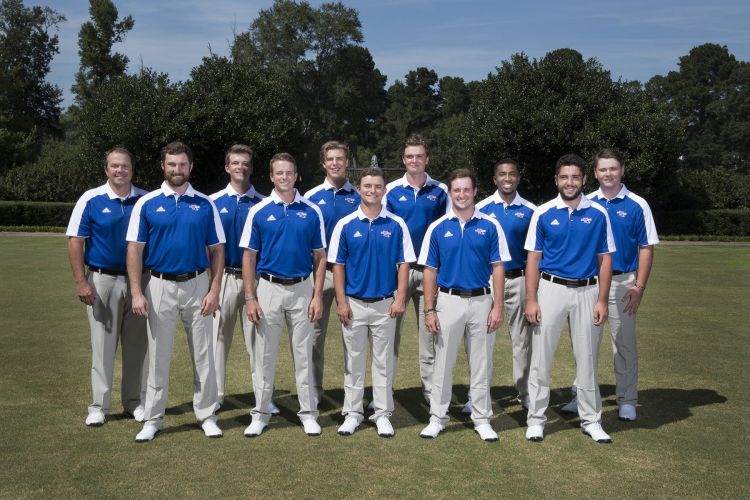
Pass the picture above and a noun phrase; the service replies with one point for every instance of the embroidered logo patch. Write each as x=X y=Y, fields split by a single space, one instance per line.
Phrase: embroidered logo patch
x=493 y=215
x=385 y=233
x=357 y=234
x=271 y=218
x=554 y=223
x=586 y=220
x=350 y=200
x=520 y=215
x=622 y=213
x=194 y=207
x=302 y=215
x=224 y=211
x=432 y=197
x=480 y=231
x=106 y=211
x=322 y=202
x=160 y=209
x=448 y=234
x=403 y=198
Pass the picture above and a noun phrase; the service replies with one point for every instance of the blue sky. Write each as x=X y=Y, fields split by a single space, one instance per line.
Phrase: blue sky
x=633 y=40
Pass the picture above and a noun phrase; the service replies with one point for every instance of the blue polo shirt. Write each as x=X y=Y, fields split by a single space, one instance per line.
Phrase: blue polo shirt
x=418 y=207
x=333 y=203
x=514 y=219
x=371 y=250
x=463 y=253
x=233 y=208
x=570 y=240
x=176 y=228
x=284 y=235
x=632 y=225
x=101 y=217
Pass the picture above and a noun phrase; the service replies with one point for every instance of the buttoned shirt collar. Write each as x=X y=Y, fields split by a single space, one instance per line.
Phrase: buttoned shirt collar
x=347 y=186
x=624 y=191
x=112 y=195
x=277 y=199
x=405 y=181
x=517 y=200
x=584 y=203
x=251 y=193
x=450 y=214
x=168 y=191
x=361 y=215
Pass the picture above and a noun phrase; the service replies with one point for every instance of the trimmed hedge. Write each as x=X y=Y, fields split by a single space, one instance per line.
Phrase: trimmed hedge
x=722 y=222
x=35 y=213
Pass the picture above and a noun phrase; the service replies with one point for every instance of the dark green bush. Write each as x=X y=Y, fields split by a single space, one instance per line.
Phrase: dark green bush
x=723 y=222
x=29 y=213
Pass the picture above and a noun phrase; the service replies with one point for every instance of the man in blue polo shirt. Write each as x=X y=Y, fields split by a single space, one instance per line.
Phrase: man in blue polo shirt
x=96 y=238
x=419 y=200
x=336 y=198
x=284 y=242
x=462 y=251
x=183 y=232
x=514 y=215
x=635 y=237
x=233 y=204
x=570 y=242
x=371 y=250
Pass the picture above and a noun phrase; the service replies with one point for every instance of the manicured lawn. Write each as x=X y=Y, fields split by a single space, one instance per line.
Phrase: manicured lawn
x=691 y=438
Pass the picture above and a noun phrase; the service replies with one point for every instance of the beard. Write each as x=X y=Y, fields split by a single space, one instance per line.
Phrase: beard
x=572 y=197
x=175 y=180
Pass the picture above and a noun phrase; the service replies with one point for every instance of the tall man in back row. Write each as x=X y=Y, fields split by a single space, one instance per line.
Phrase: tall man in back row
x=336 y=198
x=183 y=232
x=569 y=242
x=514 y=215
x=233 y=203
x=419 y=200
x=96 y=238
x=635 y=237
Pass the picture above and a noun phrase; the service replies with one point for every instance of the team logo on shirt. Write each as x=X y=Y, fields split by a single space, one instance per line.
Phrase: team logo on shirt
x=554 y=223
x=106 y=211
x=271 y=218
x=357 y=234
x=160 y=209
x=194 y=207
x=622 y=213
x=520 y=215
x=432 y=197
x=385 y=233
x=447 y=234
x=480 y=231
x=586 y=220
x=350 y=200
x=403 y=198
x=224 y=211
x=302 y=215
x=322 y=202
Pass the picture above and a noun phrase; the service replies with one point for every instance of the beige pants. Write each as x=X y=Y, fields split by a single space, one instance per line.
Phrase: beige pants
x=232 y=302
x=284 y=305
x=462 y=318
x=560 y=304
x=370 y=321
x=624 y=348
x=519 y=331
x=320 y=328
x=111 y=321
x=426 y=341
x=167 y=301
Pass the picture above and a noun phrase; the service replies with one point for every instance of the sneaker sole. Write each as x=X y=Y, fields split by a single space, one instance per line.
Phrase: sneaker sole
x=599 y=441
x=248 y=435
x=490 y=440
x=147 y=440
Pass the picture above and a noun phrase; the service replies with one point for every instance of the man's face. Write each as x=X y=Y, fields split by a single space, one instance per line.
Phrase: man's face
x=283 y=176
x=335 y=164
x=176 y=169
x=462 y=193
x=372 y=189
x=415 y=159
x=609 y=173
x=569 y=182
x=119 y=170
x=239 y=167
x=506 y=179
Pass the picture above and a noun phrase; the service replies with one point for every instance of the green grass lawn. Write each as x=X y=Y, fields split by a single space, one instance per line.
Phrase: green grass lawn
x=691 y=438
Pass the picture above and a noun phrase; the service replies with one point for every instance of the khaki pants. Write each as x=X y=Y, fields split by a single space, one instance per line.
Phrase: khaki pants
x=284 y=305
x=426 y=341
x=320 y=329
x=624 y=348
x=519 y=331
x=232 y=302
x=370 y=321
x=111 y=321
x=462 y=318
x=167 y=301
x=559 y=304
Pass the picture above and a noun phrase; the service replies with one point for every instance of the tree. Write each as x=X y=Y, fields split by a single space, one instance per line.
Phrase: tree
x=95 y=40
x=710 y=97
x=538 y=110
x=29 y=105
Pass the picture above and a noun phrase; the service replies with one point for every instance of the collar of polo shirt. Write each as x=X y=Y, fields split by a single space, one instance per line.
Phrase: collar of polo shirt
x=112 y=195
x=450 y=214
x=560 y=203
x=250 y=192
x=361 y=215
x=347 y=186
x=624 y=191
x=275 y=197
x=169 y=192
x=428 y=180
x=499 y=200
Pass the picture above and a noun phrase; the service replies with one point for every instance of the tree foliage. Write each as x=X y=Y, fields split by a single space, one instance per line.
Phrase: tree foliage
x=95 y=40
x=29 y=105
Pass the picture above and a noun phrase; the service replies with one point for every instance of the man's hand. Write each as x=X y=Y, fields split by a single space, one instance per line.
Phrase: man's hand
x=600 y=312
x=253 y=311
x=210 y=303
x=495 y=319
x=140 y=305
x=533 y=312
x=315 y=309
x=632 y=300
x=432 y=323
x=86 y=292
x=344 y=312
x=397 y=308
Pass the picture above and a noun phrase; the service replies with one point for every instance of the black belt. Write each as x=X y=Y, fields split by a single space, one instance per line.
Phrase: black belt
x=416 y=267
x=234 y=271
x=570 y=283
x=109 y=272
x=617 y=273
x=329 y=266
x=370 y=301
x=282 y=281
x=514 y=273
x=474 y=292
x=177 y=277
